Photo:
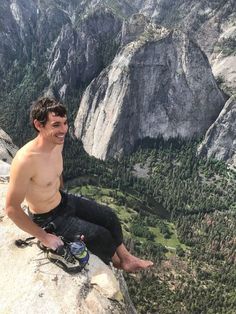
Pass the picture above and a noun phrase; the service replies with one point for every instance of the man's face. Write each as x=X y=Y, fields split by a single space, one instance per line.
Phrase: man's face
x=55 y=128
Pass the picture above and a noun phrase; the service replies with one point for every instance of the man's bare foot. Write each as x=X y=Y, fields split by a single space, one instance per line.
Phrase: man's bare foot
x=128 y=262
x=116 y=261
x=133 y=264
x=117 y=265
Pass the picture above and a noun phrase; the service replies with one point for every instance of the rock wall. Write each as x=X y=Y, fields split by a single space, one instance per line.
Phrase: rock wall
x=220 y=139
x=7 y=148
x=54 y=48
x=79 y=54
x=159 y=84
x=58 y=47
x=211 y=23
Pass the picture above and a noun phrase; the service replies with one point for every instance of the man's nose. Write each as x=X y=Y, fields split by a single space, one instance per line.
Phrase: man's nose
x=64 y=128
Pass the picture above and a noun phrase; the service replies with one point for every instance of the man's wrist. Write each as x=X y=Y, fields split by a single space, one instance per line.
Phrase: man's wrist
x=42 y=235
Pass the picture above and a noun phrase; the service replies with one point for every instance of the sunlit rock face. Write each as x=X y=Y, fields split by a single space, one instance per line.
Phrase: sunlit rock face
x=7 y=148
x=210 y=23
x=220 y=139
x=58 y=47
x=159 y=84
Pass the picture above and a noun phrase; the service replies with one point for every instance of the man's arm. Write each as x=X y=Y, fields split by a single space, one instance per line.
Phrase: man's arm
x=20 y=175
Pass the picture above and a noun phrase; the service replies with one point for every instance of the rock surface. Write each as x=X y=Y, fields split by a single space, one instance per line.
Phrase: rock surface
x=79 y=54
x=211 y=23
x=52 y=47
x=31 y=284
x=58 y=47
x=7 y=148
x=220 y=139
x=4 y=171
x=159 y=84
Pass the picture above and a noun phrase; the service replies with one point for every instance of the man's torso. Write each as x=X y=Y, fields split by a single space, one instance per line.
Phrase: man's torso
x=43 y=191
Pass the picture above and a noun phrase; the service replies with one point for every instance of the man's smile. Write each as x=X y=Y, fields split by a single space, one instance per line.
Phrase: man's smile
x=61 y=136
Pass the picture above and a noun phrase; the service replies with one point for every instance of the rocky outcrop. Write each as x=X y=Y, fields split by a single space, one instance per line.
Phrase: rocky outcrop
x=220 y=46
x=220 y=139
x=59 y=47
x=4 y=171
x=223 y=58
x=79 y=54
x=159 y=84
x=204 y=20
x=40 y=286
x=52 y=47
x=7 y=148
x=211 y=23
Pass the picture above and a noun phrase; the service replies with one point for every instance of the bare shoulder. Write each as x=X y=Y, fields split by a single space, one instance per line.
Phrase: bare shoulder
x=21 y=173
x=24 y=158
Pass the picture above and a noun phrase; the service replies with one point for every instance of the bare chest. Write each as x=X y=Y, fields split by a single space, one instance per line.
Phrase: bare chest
x=48 y=171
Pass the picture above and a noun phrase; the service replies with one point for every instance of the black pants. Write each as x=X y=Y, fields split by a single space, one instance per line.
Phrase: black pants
x=77 y=215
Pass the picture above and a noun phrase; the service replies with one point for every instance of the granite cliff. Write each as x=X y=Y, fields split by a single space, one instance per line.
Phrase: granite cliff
x=79 y=55
x=53 y=47
x=210 y=23
x=58 y=47
x=220 y=139
x=7 y=148
x=160 y=83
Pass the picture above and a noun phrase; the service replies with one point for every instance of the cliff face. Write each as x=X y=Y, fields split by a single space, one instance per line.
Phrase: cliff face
x=78 y=56
x=51 y=32
x=53 y=47
x=58 y=47
x=7 y=148
x=219 y=141
x=211 y=23
x=159 y=84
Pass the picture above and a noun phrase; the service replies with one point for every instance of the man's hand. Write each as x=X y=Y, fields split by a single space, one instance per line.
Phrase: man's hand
x=51 y=241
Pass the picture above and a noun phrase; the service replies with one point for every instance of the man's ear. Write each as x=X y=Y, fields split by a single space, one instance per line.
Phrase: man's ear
x=38 y=125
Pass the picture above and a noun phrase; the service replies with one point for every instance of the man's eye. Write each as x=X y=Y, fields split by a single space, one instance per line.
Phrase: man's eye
x=56 y=125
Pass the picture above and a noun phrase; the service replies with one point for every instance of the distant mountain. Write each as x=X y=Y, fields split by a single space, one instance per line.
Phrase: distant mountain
x=220 y=139
x=159 y=84
x=53 y=47
x=59 y=47
x=211 y=23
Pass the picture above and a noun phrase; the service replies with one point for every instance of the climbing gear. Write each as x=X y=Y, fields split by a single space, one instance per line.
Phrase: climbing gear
x=24 y=243
x=64 y=258
x=72 y=257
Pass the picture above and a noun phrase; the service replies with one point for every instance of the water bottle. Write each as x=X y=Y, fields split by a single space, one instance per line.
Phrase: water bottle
x=80 y=252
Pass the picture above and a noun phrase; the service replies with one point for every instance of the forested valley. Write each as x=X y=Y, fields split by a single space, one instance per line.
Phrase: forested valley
x=176 y=209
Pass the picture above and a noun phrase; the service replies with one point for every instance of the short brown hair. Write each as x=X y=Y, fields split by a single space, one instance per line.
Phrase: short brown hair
x=41 y=107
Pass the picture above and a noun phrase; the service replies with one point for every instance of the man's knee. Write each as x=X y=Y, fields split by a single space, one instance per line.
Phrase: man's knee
x=104 y=237
x=111 y=214
x=102 y=244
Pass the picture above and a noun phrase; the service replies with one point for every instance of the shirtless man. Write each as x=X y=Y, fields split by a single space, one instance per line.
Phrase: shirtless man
x=36 y=175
